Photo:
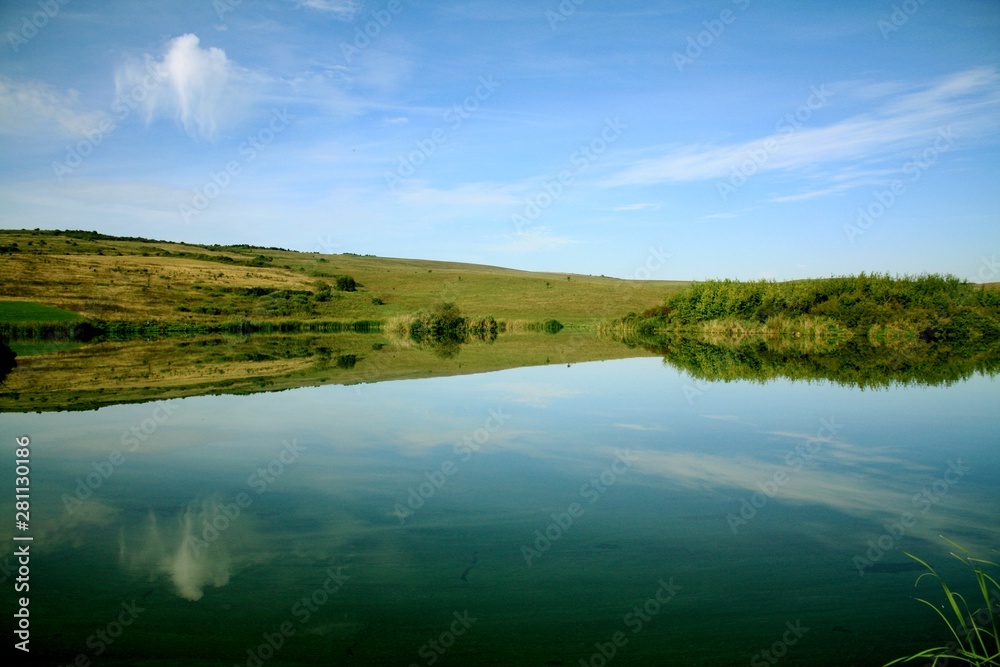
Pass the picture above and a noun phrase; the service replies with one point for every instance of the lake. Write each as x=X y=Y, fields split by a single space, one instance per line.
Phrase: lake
x=613 y=512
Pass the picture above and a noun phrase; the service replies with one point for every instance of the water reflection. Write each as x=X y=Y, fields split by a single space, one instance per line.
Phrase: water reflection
x=192 y=549
x=107 y=373
x=755 y=500
x=856 y=361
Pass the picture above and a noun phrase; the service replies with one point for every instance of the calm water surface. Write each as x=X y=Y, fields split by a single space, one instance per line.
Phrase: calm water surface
x=613 y=513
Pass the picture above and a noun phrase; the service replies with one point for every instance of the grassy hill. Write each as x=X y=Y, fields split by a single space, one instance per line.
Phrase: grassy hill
x=110 y=278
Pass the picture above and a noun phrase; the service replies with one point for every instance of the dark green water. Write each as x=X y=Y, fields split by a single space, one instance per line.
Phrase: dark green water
x=404 y=523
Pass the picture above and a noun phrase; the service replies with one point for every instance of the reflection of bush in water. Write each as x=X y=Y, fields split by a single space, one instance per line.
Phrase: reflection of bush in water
x=347 y=361
x=857 y=362
x=549 y=326
x=485 y=329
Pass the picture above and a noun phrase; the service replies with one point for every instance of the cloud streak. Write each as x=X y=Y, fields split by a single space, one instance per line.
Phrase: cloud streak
x=967 y=102
x=32 y=108
x=342 y=10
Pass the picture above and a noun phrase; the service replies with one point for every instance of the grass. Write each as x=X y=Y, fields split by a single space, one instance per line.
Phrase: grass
x=29 y=348
x=27 y=311
x=975 y=632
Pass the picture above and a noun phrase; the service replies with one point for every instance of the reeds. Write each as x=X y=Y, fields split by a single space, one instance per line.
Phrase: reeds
x=975 y=633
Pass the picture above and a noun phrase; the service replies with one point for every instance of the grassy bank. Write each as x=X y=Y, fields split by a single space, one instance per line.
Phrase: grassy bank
x=106 y=278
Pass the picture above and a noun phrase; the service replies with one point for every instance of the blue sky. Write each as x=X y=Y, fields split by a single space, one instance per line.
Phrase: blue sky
x=672 y=140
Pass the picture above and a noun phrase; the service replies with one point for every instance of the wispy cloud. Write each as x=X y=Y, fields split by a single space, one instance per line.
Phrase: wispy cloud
x=342 y=10
x=639 y=427
x=534 y=395
x=535 y=239
x=466 y=195
x=966 y=102
x=834 y=483
x=636 y=207
x=31 y=108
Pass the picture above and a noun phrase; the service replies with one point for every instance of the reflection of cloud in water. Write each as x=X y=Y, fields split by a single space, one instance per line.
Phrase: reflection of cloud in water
x=189 y=550
x=868 y=484
x=639 y=427
x=534 y=395
x=85 y=524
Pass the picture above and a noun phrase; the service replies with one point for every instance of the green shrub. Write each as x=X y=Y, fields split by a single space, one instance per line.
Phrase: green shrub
x=346 y=284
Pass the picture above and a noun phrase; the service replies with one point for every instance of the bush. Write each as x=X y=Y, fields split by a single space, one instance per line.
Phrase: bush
x=346 y=284
x=323 y=292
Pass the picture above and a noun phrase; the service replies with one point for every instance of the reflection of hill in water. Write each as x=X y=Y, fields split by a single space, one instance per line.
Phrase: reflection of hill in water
x=97 y=374
x=855 y=361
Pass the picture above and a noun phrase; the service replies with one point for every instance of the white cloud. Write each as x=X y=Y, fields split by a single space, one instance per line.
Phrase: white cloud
x=966 y=103
x=636 y=207
x=342 y=10
x=192 y=84
x=534 y=395
x=33 y=108
x=534 y=239
x=475 y=195
x=639 y=427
